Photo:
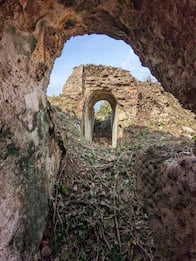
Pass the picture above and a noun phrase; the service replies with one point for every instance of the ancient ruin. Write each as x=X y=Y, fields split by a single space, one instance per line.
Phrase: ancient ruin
x=89 y=84
x=32 y=34
x=133 y=103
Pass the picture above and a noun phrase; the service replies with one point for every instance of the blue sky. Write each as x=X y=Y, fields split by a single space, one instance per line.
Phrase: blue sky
x=96 y=49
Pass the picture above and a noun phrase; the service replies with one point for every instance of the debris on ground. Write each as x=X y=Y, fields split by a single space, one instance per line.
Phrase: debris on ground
x=95 y=211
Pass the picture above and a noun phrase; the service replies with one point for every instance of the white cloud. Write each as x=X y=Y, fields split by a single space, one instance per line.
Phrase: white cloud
x=98 y=49
x=132 y=63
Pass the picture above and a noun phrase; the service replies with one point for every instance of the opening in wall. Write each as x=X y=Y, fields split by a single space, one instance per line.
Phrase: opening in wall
x=95 y=49
x=102 y=132
x=100 y=121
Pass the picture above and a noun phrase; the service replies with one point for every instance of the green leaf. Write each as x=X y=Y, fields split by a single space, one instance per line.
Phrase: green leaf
x=126 y=181
x=91 y=193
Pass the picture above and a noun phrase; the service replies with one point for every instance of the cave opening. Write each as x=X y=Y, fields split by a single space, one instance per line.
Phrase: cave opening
x=98 y=49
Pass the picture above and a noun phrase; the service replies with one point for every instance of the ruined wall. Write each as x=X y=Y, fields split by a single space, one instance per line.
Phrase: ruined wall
x=32 y=34
x=139 y=104
x=99 y=83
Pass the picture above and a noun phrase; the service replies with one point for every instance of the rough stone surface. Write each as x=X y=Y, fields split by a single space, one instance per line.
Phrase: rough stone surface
x=29 y=164
x=167 y=186
x=32 y=34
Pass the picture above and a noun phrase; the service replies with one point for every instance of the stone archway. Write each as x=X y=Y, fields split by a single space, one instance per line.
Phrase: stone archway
x=90 y=83
x=88 y=117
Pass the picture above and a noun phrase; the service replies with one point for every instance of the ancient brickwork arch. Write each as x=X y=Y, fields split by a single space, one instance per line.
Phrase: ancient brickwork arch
x=90 y=83
x=88 y=118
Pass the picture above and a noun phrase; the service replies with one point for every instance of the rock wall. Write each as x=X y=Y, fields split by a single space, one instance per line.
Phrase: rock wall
x=167 y=186
x=30 y=154
x=32 y=34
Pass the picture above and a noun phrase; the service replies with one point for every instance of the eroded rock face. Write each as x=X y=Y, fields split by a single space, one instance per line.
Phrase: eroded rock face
x=32 y=34
x=167 y=186
x=29 y=152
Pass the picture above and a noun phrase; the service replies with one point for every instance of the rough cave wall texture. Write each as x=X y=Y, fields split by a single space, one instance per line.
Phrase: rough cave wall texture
x=167 y=186
x=32 y=34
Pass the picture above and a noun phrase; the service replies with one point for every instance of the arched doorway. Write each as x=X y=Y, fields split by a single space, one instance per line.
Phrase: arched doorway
x=102 y=132
x=89 y=119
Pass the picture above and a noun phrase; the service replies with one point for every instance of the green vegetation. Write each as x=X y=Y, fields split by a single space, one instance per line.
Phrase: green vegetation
x=104 y=111
x=102 y=126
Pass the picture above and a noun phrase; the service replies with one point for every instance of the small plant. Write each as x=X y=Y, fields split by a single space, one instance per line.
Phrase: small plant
x=142 y=134
x=58 y=109
x=104 y=111
x=90 y=157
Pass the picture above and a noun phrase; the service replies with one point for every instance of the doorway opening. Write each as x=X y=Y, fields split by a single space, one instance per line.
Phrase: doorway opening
x=102 y=132
x=100 y=121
